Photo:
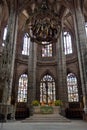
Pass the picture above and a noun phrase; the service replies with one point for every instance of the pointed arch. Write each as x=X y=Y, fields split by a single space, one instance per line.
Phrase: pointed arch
x=47 y=71
x=47 y=89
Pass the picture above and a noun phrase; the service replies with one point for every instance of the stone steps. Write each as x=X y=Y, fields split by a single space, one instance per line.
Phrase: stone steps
x=46 y=118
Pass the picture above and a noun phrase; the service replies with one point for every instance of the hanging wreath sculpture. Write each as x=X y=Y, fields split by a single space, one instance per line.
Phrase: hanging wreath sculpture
x=43 y=26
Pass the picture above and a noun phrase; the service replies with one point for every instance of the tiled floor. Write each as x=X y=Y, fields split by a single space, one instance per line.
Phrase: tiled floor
x=18 y=125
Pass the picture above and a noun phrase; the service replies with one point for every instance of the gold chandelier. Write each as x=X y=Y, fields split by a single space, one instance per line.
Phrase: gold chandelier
x=43 y=25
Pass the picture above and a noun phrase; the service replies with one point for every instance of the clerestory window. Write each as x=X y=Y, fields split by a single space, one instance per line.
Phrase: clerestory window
x=26 y=44
x=67 y=43
x=4 y=35
x=47 y=50
x=86 y=28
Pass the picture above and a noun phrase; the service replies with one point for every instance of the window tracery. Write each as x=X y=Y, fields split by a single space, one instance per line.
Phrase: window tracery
x=72 y=88
x=22 y=88
x=47 y=50
x=47 y=89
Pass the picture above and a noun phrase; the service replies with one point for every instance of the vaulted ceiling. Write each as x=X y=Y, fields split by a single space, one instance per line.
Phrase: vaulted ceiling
x=63 y=8
x=60 y=7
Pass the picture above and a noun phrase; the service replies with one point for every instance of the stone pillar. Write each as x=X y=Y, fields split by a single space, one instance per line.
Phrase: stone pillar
x=32 y=75
x=1 y=6
x=81 y=42
x=61 y=72
x=8 y=56
x=3 y=19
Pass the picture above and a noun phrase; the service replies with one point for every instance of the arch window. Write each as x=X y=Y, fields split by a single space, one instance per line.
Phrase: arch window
x=67 y=43
x=22 y=88
x=26 y=44
x=47 y=90
x=86 y=28
x=4 y=35
x=47 y=50
x=72 y=88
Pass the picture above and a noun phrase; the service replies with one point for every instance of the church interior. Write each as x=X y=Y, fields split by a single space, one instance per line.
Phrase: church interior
x=43 y=48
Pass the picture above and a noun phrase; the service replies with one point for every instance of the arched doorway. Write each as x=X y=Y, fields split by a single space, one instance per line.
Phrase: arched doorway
x=47 y=90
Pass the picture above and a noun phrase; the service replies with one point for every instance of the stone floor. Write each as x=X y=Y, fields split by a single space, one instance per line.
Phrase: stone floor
x=18 y=125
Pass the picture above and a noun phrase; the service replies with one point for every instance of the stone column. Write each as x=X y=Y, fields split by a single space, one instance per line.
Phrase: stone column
x=3 y=17
x=1 y=8
x=32 y=75
x=61 y=71
x=8 y=56
x=81 y=42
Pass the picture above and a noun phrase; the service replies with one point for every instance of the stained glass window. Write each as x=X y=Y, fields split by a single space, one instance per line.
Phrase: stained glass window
x=47 y=89
x=22 y=88
x=47 y=50
x=26 y=44
x=67 y=43
x=72 y=88
x=4 y=35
